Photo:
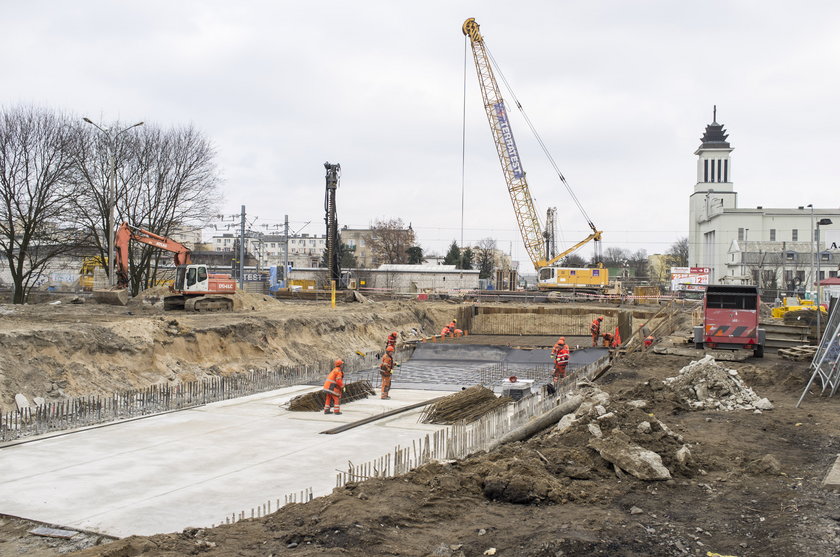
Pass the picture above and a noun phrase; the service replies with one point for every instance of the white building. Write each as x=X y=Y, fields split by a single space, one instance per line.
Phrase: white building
x=770 y=247
x=305 y=250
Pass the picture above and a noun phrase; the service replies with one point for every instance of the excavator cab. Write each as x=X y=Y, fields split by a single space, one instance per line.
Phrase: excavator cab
x=192 y=278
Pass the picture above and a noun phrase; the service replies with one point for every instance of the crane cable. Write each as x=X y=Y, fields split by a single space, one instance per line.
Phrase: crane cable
x=539 y=139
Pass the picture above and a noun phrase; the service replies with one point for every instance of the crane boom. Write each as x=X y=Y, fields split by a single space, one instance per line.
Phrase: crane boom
x=523 y=205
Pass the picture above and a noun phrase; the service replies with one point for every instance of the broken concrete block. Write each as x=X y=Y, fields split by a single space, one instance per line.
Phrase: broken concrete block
x=643 y=427
x=606 y=416
x=21 y=401
x=684 y=455
x=600 y=410
x=39 y=401
x=595 y=430
x=565 y=423
x=763 y=404
x=621 y=451
x=638 y=403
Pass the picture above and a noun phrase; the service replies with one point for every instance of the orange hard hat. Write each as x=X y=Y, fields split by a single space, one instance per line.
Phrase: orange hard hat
x=600 y=318
x=562 y=339
x=394 y=333
x=339 y=363
x=389 y=349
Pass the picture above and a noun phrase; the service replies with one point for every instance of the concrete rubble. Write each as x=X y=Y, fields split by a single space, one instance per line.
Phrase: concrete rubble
x=707 y=384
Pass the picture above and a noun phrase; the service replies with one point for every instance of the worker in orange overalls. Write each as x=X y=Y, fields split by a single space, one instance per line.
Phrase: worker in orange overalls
x=457 y=333
x=386 y=370
x=608 y=340
x=648 y=340
x=445 y=332
x=595 y=329
x=557 y=345
x=561 y=360
x=452 y=325
x=334 y=386
x=391 y=340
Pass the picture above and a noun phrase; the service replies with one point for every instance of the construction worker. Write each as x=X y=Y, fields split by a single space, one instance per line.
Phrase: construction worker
x=608 y=340
x=386 y=370
x=648 y=340
x=561 y=360
x=557 y=345
x=595 y=329
x=334 y=386
x=457 y=333
x=445 y=332
x=392 y=340
x=453 y=325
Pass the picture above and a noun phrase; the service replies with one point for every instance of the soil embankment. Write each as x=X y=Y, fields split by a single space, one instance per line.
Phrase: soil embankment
x=66 y=350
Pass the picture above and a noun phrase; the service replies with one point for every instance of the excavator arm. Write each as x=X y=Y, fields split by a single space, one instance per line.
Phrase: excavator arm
x=126 y=233
x=523 y=205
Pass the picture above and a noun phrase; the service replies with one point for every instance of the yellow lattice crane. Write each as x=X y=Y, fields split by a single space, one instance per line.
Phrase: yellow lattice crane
x=532 y=232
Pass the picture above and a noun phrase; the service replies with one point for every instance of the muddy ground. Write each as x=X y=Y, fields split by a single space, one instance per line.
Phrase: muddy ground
x=555 y=495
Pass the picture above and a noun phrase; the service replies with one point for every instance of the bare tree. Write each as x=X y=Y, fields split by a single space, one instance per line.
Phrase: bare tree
x=573 y=260
x=678 y=253
x=167 y=180
x=390 y=240
x=37 y=186
x=485 y=257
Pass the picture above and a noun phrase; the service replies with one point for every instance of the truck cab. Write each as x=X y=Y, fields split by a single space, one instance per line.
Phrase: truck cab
x=731 y=319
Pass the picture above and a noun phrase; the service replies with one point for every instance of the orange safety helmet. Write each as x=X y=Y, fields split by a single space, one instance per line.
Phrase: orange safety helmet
x=389 y=349
x=339 y=363
x=561 y=340
x=394 y=333
x=600 y=318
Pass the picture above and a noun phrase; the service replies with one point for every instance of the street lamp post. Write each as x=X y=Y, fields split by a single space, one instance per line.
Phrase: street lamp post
x=813 y=242
x=111 y=133
x=821 y=222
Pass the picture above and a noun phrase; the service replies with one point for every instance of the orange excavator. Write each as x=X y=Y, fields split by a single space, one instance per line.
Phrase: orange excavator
x=194 y=289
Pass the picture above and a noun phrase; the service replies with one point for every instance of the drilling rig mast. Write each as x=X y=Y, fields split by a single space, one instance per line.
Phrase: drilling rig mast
x=333 y=174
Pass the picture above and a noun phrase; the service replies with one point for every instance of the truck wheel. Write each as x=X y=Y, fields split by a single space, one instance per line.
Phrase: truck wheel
x=758 y=352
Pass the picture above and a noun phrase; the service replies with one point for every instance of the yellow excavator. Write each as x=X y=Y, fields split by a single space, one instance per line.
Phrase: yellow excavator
x=533 y=235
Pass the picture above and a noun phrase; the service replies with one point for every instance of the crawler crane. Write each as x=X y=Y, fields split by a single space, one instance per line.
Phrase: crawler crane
x=533 y=235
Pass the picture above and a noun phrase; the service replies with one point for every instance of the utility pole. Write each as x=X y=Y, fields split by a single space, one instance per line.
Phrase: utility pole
x=286 y=255
x=242 y=250
x=112 y=134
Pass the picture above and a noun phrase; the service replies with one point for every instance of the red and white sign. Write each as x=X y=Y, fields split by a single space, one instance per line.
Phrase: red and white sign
x=689 y=278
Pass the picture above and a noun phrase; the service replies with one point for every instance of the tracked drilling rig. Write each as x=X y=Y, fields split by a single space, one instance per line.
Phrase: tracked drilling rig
x=333 y=247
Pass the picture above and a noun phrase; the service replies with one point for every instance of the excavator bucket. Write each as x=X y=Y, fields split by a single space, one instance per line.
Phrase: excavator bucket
x=113 y=297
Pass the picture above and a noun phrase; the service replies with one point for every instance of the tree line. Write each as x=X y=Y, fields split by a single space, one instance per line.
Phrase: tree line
x=55 y=195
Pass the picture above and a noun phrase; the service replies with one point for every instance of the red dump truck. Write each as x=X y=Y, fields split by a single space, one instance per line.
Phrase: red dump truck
x=730 y=319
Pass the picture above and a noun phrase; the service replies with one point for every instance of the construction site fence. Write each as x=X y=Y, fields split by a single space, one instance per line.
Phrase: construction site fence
x=825 y=365
x=74 y=413
x=462 y=439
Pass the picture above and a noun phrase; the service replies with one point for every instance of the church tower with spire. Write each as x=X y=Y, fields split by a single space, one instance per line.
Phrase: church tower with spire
x=713 y=193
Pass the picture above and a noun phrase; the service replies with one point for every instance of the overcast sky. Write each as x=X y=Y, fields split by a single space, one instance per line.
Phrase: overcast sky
x=620 y=92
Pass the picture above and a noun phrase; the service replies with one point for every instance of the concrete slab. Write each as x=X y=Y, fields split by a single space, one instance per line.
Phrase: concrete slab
x=193 y=468
x=832 y=479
